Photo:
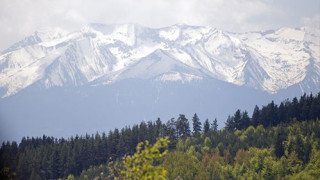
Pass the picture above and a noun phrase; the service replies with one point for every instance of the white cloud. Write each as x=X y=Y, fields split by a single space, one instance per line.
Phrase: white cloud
x=19 y=18
x=313 y=22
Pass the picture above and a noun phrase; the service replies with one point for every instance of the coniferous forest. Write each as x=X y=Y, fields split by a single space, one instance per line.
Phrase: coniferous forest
x=275 y=142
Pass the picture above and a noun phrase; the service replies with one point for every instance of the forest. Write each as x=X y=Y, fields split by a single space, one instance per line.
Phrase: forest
x=276 y=142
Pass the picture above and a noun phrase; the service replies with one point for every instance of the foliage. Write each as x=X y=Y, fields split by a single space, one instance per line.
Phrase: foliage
x=5 y=174
x=183 y=127
x=196 y=124
x=141 y=164
x=277 y=142
x=181 y=164
x=206 y=126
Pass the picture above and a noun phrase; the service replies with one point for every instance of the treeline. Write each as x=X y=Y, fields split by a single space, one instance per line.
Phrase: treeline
x=307 y=107
x=290 y=151
x=280 y=152
x=51 y=158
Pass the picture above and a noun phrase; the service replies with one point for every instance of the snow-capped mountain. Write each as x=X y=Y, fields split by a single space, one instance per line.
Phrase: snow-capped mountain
x=101 y=54
x=107 y=76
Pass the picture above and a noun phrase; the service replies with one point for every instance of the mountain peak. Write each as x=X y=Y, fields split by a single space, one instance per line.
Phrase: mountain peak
x=269 y=61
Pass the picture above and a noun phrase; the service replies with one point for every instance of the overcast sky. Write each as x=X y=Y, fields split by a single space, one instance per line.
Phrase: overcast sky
x=20 y=18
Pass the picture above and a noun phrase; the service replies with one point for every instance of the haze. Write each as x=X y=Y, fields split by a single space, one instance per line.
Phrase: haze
x=19 y=19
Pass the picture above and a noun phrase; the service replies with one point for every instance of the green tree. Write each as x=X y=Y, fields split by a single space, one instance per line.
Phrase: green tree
x=71 y=177
x=315 y=107
x=141 y=165
x=181 y=165
x=159 y=129
x=171 y=130
x=279 y=140
x=5 y=174
x=237 y=119
x=256 y=116
x=282 y=113
x=183 y=126
x=214 y=125
x=206 y=126
x=245 y=120
x=273 y=114
x=196 y=124
x=294 y=110
x=207 y=145
x=230 y=123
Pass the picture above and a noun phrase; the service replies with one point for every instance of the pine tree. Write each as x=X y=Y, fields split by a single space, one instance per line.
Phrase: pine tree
x=214 y=125
x=143 y=131
x=282 y=113
x=273 y=114
x=305 y=108
x=255 y=116
x=245 y=120
x=230 y=124
x=206 y=126
x=279 y=139
x=314 y=112
x=294 y=109
x=171 y=130
x=196 y=124
x=159 y=132
x=183 y=126
x=264 y=117
x=237 y=119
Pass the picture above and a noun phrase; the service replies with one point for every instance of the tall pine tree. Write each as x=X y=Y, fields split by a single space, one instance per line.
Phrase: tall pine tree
x=255 y=116
x=245 y=120
x=206 y=126
x=230 y=124
x=196 y=124
x=214 y=125
x=237 y=119
x=183 y=126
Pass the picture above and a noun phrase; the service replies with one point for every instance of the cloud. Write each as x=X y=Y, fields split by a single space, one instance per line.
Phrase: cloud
x=313 y=22
x=20 y=18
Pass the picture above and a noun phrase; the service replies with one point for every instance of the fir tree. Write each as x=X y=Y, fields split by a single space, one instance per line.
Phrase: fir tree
x=214 y=125
x=230 y=124
x=206 y=126
x=282 y=113
x=245 y=120
x=237 y=119
x=171 y=130
x=183 y=126
x=255 y=116
x=196 y=124
x=279 y=139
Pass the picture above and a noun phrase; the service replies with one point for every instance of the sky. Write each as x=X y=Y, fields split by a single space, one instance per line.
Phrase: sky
x=21 y=18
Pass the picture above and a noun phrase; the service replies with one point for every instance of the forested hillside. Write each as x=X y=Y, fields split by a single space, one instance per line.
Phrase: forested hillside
x=276 y=142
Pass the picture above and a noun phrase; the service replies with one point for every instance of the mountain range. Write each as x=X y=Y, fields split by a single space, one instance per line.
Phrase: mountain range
x=114 y=75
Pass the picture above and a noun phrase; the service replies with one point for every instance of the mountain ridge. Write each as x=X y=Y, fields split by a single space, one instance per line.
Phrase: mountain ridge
x=268 y=61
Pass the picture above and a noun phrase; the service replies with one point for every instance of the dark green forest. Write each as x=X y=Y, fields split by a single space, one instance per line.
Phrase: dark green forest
x=276 y=142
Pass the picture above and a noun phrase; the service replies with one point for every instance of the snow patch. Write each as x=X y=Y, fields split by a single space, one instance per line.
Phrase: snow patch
x=183 y=77
x=170 y=34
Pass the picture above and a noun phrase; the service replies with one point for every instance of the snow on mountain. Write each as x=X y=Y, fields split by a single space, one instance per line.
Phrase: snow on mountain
x=104 y=54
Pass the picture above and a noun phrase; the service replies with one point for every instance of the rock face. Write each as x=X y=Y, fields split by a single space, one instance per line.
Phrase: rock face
x=94 y=75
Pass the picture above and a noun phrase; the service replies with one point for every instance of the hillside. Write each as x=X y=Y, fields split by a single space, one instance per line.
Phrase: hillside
x=277 y=142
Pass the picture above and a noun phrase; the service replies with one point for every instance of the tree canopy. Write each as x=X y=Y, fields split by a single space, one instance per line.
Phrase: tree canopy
x=276 y=142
